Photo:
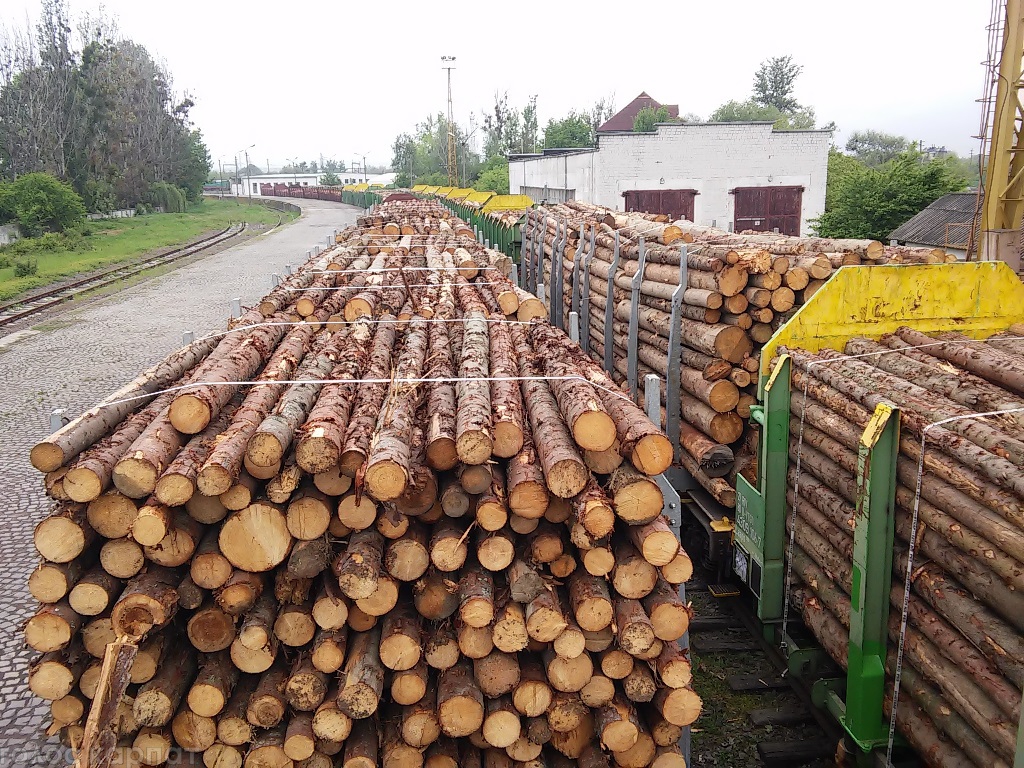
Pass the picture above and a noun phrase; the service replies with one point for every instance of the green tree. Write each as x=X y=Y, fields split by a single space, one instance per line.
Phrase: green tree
x=873 y=148
x=648 y=117
x=964 y=167
x=751 y=111
x=41 y=203
x=573 y=130
x=774 y=82
x=330 y=179
x=194 y=165
x=871 y=202
x=494 y=177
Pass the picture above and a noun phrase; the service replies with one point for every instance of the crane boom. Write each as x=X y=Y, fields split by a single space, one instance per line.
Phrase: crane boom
x=1003 y=207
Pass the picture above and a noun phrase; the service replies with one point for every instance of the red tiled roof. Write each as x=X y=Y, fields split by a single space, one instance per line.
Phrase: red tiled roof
x=623 y=119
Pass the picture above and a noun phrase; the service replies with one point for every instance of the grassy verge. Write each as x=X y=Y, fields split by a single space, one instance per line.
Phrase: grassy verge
x=116 y=240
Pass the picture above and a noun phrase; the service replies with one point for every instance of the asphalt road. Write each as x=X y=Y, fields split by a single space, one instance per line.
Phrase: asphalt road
x=72 y=360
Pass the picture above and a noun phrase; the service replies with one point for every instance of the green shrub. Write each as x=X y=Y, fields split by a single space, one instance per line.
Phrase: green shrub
x=25 y=266
x=51 y=242
x=41 y=204
x=99 y=196
x=5 y=262
x=6 y=203
x=167 y=196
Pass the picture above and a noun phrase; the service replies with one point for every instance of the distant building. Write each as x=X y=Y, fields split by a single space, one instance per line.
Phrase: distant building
x=624 y=118
x=946 y=224
x=735 y=176
x=251 y=185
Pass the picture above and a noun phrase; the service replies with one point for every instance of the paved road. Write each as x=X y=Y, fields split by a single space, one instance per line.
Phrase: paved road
x=80 y=356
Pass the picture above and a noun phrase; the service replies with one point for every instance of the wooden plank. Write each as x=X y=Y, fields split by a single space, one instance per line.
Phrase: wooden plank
x=792 y=714
x=708 y=623
x=783 y=753
x=720 y=644
x=747 y=683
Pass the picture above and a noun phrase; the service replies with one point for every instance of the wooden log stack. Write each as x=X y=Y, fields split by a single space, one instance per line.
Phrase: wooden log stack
x=963 y=661
x=741 y=288
x=425 y=534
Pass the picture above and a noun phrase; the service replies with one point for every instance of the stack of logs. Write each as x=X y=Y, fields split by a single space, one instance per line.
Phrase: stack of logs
x=963 y=662
x=426 y=534
x=741 y=287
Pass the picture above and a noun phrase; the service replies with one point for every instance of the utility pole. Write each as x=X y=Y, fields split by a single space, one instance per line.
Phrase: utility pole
x=220 y=177
x=248 y=176
x=453 y=167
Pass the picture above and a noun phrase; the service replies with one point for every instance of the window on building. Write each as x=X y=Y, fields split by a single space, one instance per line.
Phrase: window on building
x=255 y=188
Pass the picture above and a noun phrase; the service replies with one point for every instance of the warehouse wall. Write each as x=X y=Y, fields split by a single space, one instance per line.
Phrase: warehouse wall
x=712 y=158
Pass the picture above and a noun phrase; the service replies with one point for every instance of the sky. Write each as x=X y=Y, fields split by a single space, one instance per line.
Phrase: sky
x=342 y=79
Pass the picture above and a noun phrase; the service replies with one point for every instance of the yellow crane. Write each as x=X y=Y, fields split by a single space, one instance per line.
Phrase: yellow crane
x=1002 y=209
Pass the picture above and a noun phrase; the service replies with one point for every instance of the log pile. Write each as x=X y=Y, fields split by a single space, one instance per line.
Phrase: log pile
x=741 y=287
x=963 y=662
x=423 y=535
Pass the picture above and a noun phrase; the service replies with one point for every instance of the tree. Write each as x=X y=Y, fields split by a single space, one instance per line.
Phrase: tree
x=751 y=111
x=194 y=165
x=422 y=156
x=774 y=82
x=508 y=130
x=330 y=179
x=873 y=148
x=531 y=127
x=41 y=204
x=573 y=130
x=603 y=109
x=648 y=117
x=871 y=202
x=104 y=118
x=494 y=177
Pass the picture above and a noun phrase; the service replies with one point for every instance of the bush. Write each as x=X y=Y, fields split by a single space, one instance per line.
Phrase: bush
x=26 y=266
x=167 y=196
x=41 y=204
x=51 y=242
x=6 y=203
x=5 y=262
x=99 y=196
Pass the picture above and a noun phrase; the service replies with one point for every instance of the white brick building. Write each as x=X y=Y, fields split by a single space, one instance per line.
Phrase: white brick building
x=731 y=175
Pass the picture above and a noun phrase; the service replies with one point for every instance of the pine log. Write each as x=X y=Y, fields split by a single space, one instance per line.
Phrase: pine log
x=564 y=471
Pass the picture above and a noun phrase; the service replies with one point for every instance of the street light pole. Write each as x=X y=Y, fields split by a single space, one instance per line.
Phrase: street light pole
x=248 y=173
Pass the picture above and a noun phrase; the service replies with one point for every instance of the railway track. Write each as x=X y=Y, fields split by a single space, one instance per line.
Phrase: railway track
x=26 y=306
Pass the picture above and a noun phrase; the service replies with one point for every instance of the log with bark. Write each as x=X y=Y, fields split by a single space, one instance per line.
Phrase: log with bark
x=297 y=578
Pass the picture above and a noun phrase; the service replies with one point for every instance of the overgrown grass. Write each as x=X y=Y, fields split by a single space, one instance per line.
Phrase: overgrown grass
x=117 y=240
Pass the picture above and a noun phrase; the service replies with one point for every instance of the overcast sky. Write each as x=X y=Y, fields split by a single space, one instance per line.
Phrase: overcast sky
x=308 y=77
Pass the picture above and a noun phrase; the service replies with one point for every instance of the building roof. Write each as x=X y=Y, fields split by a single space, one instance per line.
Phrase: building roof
x=946 y=222
x=623 y=119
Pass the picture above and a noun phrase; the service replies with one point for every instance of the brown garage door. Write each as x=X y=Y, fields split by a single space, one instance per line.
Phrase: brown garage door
x=765 y=209
x=677 y=203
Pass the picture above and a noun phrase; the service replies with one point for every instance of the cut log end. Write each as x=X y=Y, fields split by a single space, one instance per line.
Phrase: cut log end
x=81 y=484
x=474 y=447
x=652 y=454
x=442 y=454
x=567 y=478
x=189 y=414
x=386 y=480
x=46 y=456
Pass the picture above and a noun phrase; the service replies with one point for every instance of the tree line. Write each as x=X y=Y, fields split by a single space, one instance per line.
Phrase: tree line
x=95 y=110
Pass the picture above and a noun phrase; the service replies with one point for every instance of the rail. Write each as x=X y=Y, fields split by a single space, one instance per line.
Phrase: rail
x=26 y=306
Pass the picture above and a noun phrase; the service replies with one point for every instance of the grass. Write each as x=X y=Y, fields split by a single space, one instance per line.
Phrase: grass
x=116 y=240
